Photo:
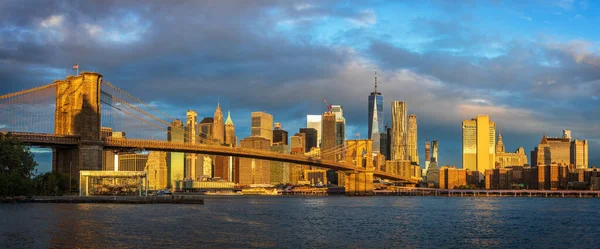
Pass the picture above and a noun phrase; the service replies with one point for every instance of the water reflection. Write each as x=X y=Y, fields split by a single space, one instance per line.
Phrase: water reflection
x=301 y=222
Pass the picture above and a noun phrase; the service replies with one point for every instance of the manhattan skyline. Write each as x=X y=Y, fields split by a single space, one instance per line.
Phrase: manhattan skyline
x=447 y=61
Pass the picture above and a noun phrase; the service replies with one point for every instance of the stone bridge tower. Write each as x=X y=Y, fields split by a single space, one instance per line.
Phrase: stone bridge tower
x=78 y=114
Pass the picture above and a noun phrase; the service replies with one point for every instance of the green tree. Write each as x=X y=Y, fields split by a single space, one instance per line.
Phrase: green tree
x=17 y=166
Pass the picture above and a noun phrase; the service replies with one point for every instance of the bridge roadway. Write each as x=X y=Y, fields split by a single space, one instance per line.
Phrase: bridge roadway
x=49 y=140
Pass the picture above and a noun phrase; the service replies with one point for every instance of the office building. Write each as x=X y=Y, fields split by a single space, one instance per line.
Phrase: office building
x=479 y=145
x=280 y=171
x=399 y=131
x=375 y=112
x=255 y=171
x=298 y=147
x=280 y=136
x=506 y=159
x=553 y=150
x=314 y=121
x=218 y=126
x=579 y=153
x=157 y=170
x=412 y=137
x=328 y=136
x=311 y=137
x=450 y=177
x=434 y=151
x=340 y=128
x=262 y=126
x=205 y=128
x=191 y=135
x=175 y=160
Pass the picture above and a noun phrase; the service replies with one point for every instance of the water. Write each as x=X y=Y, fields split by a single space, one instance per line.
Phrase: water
x=308 y=222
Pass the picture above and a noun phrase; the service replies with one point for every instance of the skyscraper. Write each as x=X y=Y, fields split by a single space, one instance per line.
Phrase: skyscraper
x=230 y=137
x=412 y=143
x=434 y=151
x=311 y=138
x=375 y=116
x=579 y=153
x=340 y=126
x=399 y=135
x=314 y=121
x=218 y=126
x=479 y=143
x=255 y=171
x=328 y=137
x=262 y=125
x=427 y=155
x=205 y=128
x=280 y=136
x=175 y=160
x=191 y=133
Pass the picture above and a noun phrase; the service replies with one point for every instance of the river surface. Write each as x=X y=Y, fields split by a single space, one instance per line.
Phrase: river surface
x=309 y=222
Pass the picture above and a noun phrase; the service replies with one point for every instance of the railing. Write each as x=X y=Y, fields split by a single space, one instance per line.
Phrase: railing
x=43 y=138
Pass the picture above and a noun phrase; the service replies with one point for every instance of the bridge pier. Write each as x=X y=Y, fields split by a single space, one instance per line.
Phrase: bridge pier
x=77 y=113
x=359 y=183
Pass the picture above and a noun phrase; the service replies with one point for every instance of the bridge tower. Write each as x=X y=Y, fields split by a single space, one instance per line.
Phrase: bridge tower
x=361 y=156
x=78 y=114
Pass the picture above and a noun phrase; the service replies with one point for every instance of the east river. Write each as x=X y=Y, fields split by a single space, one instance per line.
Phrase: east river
x=309 y=222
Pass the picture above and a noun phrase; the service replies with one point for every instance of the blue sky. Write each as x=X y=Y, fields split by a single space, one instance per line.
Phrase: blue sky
x=533 y=66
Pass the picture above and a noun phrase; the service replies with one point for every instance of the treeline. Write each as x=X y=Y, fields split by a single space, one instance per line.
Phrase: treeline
x=17 y=172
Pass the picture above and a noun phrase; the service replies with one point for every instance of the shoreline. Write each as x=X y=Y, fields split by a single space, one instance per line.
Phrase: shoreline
x=167 y=199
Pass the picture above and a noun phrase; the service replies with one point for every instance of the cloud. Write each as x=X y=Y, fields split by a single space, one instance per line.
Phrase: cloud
x=53 y=21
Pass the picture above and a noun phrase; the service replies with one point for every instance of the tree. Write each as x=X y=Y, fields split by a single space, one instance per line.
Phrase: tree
x=16 y=167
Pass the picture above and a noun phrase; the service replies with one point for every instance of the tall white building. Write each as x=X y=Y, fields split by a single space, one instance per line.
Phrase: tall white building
x=314 y=121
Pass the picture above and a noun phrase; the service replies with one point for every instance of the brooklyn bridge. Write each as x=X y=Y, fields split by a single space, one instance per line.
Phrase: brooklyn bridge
x=67 y=116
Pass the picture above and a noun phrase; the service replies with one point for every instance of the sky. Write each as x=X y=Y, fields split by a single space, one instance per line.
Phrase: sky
x=532 y=66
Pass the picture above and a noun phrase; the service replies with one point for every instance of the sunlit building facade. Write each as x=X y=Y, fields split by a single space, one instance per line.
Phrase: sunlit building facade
x=314 y=121
x=412 y=143
x=479 y=135
x=398 y=148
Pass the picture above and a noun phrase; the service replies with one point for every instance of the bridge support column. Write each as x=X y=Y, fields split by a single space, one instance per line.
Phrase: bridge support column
x=78 y=114
x=359 y=183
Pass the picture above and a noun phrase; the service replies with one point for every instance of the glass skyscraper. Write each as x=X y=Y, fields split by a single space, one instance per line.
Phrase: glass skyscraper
x=375 y=116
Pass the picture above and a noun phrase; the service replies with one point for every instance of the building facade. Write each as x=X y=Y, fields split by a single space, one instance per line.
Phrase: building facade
x=230 y=137
x=191 y=136
x=255 y=171
x=399 y=131
x=157 y=170
x=280 y=136
x=506 y=159
x=175 y=160
x=314 y=122
x=262 y=125
x=310 y=137
x=328 y=135
x=218 y=126
x=412 y=143
x=579 y=153
x=375 y=112
x=479 y=135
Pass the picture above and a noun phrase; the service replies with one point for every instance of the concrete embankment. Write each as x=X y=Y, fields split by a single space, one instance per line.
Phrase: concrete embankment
x=169 y=199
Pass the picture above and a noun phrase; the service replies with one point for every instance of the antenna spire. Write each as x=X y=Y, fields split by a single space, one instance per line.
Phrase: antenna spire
x=375 y=81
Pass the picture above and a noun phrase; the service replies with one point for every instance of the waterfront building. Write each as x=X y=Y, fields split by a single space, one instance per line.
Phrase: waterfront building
x=207 y=166
x=230 y=138
x=262 y=125
x=553 y=150
x=399 y=131
x=402 y=168
x=157 y=170
x=191 y=135
x=255 y=171
x=298 y=147
x=132 y=162
x=175 y=160
x=280 y=136
x=433 y=175
x=385 y=140
x=450 y=177
x=505 y=159
x=412 y=143
x=579 y=153
x=328 y=135
x=375 y=112
x=311 y=136
x=108 y=156
x=314 y=122
x=316 y=176
x=479 y=135
x=218 y=126
x=205 y=128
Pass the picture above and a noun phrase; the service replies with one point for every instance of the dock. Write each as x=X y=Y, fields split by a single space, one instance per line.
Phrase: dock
x=163 y=199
